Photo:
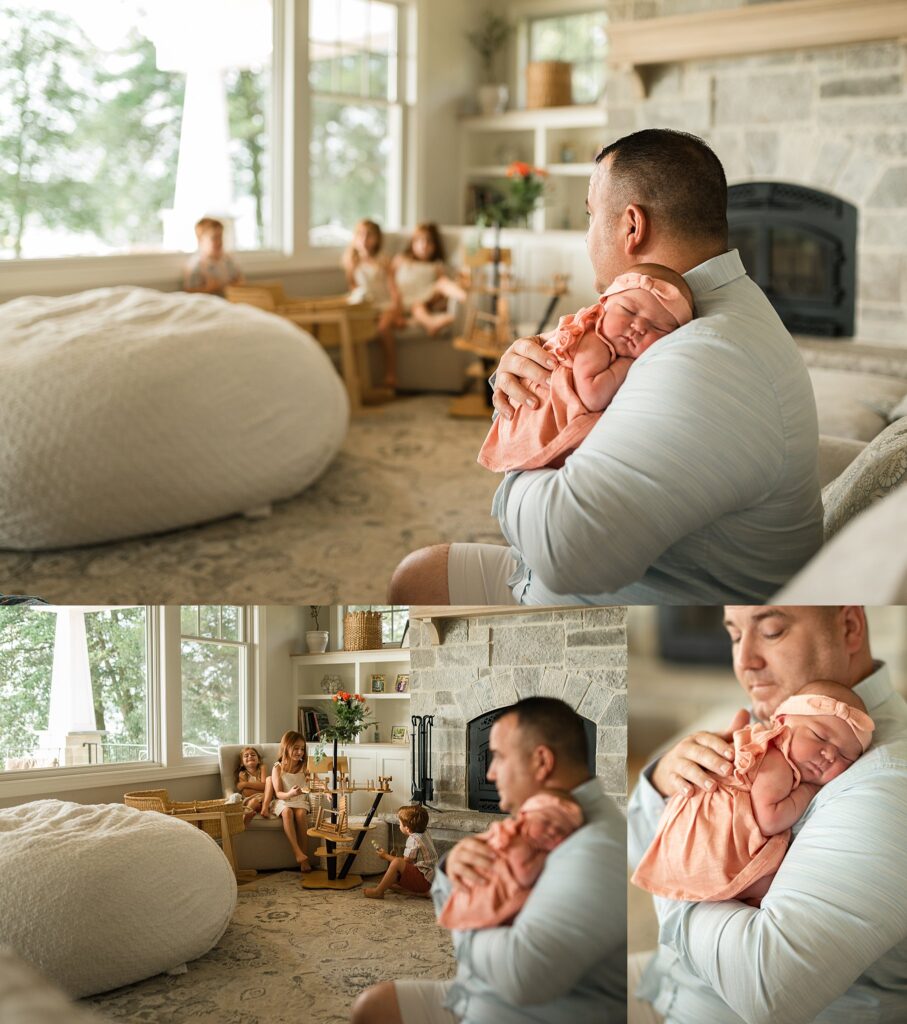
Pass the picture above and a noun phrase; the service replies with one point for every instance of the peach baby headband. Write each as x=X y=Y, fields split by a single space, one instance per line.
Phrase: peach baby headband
x=565 y=814
x=816 y=704
x=667 y=294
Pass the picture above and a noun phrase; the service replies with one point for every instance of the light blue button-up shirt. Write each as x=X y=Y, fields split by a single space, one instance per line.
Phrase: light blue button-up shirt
x=829 y=942
x=564 y=958
x=698 y=484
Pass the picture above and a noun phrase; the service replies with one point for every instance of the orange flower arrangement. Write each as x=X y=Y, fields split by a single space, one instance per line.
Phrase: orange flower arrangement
x=525 y=187
x=350 y=716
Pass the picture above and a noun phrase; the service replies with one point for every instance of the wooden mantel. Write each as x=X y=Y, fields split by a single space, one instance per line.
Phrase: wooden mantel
x=759 y=28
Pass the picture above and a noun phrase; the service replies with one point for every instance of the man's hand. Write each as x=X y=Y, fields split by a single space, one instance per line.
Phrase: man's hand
x=525 y=361
x=469 y=862
x=688 y=763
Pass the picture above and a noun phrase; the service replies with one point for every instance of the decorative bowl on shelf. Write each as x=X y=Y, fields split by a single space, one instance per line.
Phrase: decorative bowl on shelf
x=331 y=683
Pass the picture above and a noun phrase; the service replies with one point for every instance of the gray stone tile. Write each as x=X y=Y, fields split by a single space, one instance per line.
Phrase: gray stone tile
x=596 y=657
x=476 y=655
x=770 y=98
x=863 y=85
x=531 y=645
x=616 y=615
x=609 y=636
x=891 y=190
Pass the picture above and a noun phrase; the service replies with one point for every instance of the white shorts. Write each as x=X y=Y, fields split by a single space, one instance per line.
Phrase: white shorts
x=421 y=1001
x=477 y=574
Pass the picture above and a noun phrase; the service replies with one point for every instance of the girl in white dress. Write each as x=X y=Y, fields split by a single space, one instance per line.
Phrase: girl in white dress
x=369 y=277
x=292 y=805
x=422 y=282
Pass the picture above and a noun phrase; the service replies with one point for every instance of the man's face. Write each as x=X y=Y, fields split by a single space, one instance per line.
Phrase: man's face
x=511 y=765
x=778 y=649
x=602 y=241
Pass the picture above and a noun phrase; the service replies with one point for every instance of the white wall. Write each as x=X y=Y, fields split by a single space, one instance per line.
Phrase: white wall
x=283 y=633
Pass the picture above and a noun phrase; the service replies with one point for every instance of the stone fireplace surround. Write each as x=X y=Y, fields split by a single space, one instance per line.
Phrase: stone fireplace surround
x=463 y=667
x=832 y=118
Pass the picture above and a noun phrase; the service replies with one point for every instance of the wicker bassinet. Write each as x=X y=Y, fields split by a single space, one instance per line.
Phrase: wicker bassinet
x=158 y=800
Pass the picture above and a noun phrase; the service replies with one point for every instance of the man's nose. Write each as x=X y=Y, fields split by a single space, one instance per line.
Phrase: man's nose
x=748 y=653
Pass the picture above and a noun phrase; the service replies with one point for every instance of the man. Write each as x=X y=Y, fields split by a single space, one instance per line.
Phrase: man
x=699 y=483
x=563 y=960
x=829 y=942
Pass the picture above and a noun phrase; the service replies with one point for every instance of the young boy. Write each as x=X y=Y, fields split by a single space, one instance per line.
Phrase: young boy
x=210 y=270
x=414 y=871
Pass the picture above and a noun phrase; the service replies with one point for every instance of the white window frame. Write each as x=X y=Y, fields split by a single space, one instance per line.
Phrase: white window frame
x=165 y=720
x=400 y=117
x=246 y=675
x=531 y=10
x=289 y=181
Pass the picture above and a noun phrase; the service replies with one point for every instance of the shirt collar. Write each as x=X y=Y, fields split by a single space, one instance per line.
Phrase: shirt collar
x=714 y=273
x=588 y=795
x=876 y=688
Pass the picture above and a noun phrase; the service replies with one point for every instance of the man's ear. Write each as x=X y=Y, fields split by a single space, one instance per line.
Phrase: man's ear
x=636 y=228
x=853 y=621
x=543 y=761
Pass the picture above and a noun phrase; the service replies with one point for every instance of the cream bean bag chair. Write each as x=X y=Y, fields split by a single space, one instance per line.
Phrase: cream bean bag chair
x=100 y=895
x=126 y=411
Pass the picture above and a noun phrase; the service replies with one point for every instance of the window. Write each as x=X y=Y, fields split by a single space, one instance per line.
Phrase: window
x=74 y=689
x=356 y=140
x=394 y=620
x=122 y=122
x=214 y=669
x=580 y=40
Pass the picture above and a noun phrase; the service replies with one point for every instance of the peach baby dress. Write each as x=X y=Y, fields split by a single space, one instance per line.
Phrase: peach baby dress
x=708 y=845
x=519 y=862
x=546 y=435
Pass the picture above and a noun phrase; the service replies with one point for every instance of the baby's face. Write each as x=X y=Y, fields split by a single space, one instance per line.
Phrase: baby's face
x=821 y=746
x=634 y=319
x=543 y=832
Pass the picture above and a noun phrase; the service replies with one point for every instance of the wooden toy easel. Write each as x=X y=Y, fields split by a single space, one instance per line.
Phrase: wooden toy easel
x=488 y=333
x=341 y=839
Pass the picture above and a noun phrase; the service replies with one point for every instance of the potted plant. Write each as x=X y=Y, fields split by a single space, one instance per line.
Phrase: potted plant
x=316 y=640
x=490 y=37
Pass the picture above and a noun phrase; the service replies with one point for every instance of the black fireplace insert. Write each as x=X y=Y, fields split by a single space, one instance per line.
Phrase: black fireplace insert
x=482 y=795
x=799 y=245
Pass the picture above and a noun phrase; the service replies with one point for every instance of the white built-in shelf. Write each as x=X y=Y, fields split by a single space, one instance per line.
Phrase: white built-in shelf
x=368 y=696
x=589 y=115
x=539 y=138
x=348 y=657
x=645 y=43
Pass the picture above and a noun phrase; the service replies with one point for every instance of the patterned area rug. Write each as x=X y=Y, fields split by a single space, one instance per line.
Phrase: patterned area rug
x=406 y=477
x=293 y=956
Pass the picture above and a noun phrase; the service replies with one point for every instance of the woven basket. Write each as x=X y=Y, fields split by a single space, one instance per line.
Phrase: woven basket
x=362 y=631
x=548 y=84
x=158 y=800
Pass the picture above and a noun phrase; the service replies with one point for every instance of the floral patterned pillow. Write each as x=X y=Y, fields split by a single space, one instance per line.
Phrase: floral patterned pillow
x=875 y=472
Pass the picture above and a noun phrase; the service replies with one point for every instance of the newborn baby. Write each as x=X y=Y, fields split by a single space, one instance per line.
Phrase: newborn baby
x=522 y=845
x=594 y=350
x=728 y=842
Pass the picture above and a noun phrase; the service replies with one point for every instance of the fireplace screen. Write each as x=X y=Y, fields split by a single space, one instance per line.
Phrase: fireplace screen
x=482 y=795
x=799 y=246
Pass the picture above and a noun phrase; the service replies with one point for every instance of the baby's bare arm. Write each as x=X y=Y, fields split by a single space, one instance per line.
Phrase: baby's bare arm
x=776 y=804
x=596 y=375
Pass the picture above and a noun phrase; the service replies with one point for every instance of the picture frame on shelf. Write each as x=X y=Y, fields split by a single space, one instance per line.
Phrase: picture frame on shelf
x=378 y=682
x=399 y=734
x=401 y=684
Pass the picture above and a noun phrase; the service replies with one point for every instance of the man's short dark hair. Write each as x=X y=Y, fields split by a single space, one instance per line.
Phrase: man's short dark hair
x=551 y=723
x=673 y=175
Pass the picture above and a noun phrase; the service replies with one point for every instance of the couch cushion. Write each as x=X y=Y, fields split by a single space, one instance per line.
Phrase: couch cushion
x=866 y=563
x=855 y=405
x=877 y=470
x=835 y=455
